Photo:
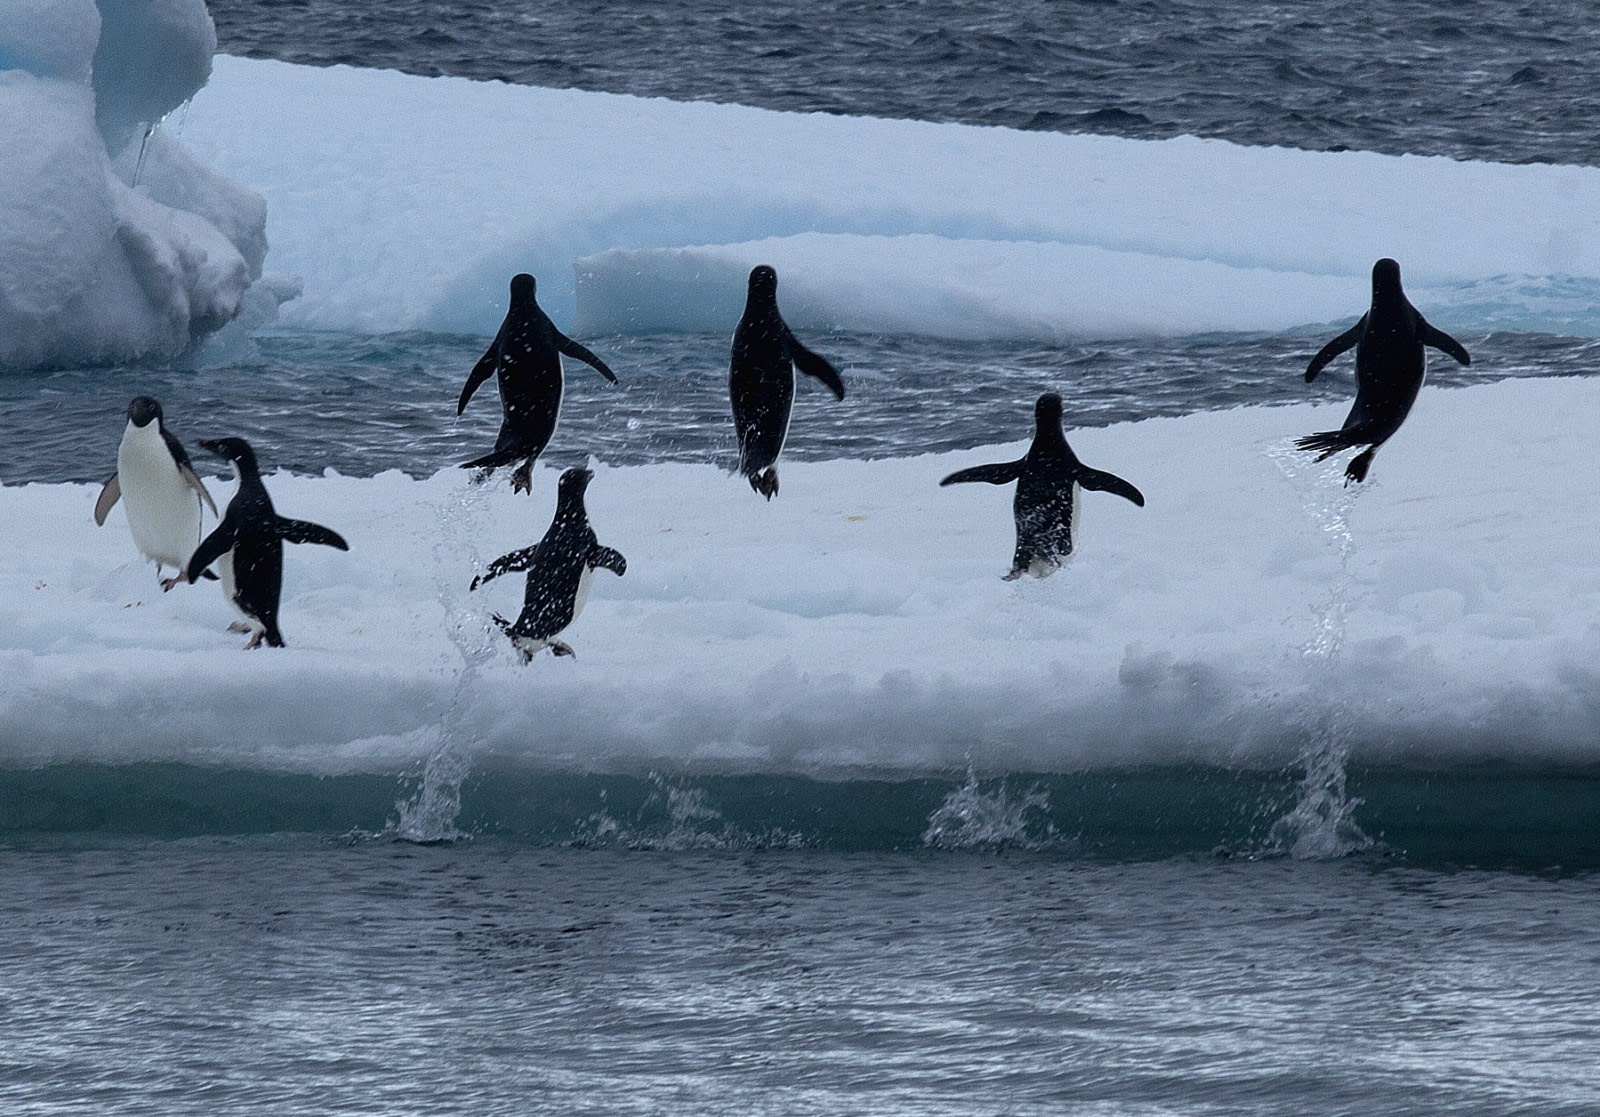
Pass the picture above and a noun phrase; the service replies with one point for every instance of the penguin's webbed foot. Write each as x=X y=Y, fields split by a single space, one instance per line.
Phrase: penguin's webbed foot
x=168 y=583
x=255 y=641
x=240 y=627
x=765 y=482
x=522 y=478
x=1013 y=576
x=1357 y=469
x=560 y=649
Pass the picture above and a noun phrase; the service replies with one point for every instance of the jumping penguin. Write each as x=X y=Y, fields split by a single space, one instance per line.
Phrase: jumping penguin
x=248 y=545
x=159 y=490
x=1048 y=478
x=1390 y=366
x=761 y=381
x=560 y=567
x=526 y=354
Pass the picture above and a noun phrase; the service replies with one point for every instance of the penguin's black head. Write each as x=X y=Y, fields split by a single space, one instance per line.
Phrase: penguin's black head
x=763 y=280
x=573 y=482
x=142 y=409
x=1385 y=277
x=1048 y=409
x=235 y=450
x=522 y=287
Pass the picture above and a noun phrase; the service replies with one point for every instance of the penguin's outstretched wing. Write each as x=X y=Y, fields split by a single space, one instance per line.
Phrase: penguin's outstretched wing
x=993 y=474
x=108 y=499
x=506 y=564
x=481 y=371
x=814 y=365
x=1104 y=482
x=211 y=548
x=604 y=558
x=1338 y=345
x=304 y=531
x=578 y=352
x=1443 y=342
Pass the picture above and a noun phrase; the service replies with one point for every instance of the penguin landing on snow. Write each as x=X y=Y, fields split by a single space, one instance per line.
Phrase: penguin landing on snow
x=560 y=567
x=761 y=381
x=1048 y=478
x=526 y=356
x=1390 y=366
x=248 y=545
x=159 y=490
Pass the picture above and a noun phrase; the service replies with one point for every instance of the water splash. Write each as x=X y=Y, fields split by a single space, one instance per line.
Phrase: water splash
x=677 y=816
x=1321 y=825
x=429 y=814
x=974 y=818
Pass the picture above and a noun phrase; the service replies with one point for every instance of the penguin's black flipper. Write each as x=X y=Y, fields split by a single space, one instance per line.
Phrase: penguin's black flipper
x=1104 y=482
x=108 y=499
x=993 y=474
x=211 y=548
x=506 y=564
x=1445 y=343
x=304 y=531
x=481 y=371
x=604 y=558
x=578 y=352
x=198 y=486
x=1331 y=350
x=815 y=366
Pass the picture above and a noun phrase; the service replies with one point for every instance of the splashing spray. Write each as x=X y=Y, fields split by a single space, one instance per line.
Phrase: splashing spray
x=972 y=818
x=429 y=814
x=1321 y=824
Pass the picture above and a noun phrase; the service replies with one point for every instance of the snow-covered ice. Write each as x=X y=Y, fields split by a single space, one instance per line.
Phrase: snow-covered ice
x=858 y=622
x=404 y=202
x=112 y=249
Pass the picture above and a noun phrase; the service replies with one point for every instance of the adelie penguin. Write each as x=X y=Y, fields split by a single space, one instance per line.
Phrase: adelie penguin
x=158 y=488
x=248 y=545
x=761 y=380
x=560 y=567
x=1390 y=366
x=526 y=356
x=1048 y=478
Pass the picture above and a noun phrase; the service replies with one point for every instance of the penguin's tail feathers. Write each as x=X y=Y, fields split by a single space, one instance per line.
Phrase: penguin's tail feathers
x=765 y=482
x=495 y=458
x=1326 y=443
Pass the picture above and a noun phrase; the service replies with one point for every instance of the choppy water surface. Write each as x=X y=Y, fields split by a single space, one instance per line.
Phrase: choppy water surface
x=1473 y=79
x=362 y=404
x=304 y=978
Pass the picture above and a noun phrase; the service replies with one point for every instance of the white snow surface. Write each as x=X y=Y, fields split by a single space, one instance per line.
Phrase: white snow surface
x=111 y=250
x=404 y=202
x=858 y=622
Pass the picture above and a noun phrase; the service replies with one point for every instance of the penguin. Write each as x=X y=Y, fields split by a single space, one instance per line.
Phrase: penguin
x=159 y=490
x=761 y=381
x=1390 y=366
x=248 y=545
x=1048 y=478
x=526 y=354
x=560 y=567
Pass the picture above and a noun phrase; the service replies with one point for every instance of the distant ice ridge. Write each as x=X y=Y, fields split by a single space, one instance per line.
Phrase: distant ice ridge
x=858 y=623
x=407 y=202
x=116 y=243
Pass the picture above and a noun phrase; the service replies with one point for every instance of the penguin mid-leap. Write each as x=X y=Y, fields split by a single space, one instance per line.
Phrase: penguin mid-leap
x=1390 y=366
x=159 y=490
x=761 y=381
x=526 y=356
x=1048 y=478
x=248 y=545
x=560 y=567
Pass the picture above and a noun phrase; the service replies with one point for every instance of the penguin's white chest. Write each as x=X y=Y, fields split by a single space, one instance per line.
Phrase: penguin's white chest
x=581 y=598
x=163 y=511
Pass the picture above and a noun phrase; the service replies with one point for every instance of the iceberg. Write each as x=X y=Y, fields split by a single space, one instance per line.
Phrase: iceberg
x=116 y=243
x=410 y=206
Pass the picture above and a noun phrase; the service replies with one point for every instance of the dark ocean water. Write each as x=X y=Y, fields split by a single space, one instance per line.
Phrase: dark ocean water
x=1473 y=79
x=360 y=404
